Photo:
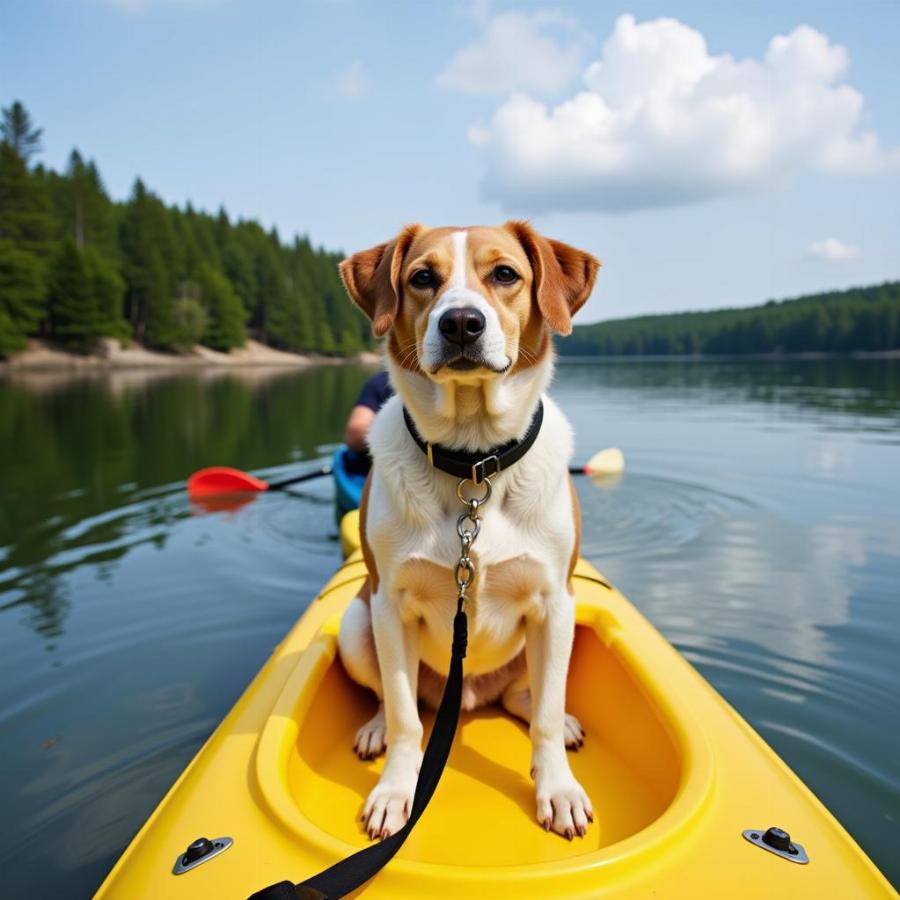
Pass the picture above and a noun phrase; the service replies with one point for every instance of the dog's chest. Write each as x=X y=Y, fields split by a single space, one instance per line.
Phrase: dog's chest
x=511 y=581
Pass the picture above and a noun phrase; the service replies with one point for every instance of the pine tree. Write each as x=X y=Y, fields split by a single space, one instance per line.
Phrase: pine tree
x=84 y=207
x=19 y=133
x=146 y=240
x=108 y=291
x=25 y=213
x=25 y=230
x=22 y=294
x=75 y=316
x=271 y=300
x=160 y=327
x=224 y=311
x=239 y=270
x=190 y=258
x=203 y=234
x=319 y=335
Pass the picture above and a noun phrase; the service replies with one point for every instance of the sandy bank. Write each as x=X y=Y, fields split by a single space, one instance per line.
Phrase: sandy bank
x=44 y=356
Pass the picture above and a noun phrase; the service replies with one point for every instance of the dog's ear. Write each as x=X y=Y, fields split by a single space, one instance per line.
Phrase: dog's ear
x=372 y=279
x=563 y=276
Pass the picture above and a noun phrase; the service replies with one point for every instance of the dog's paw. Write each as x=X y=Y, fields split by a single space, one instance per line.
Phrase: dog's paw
x=371 y=739
x=563 y=806
x=387 y=809
x=574 y=733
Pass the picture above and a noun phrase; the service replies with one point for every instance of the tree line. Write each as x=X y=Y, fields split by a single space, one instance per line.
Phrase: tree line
x=859 y=319
x=77 y=266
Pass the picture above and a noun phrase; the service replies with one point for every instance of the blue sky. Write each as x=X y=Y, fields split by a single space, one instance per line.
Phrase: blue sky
x=706 y=160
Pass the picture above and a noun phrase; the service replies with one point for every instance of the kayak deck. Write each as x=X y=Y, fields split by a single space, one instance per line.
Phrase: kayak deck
x=674 y=774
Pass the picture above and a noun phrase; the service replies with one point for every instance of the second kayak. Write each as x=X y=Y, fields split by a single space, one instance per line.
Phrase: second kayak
x=348 y=484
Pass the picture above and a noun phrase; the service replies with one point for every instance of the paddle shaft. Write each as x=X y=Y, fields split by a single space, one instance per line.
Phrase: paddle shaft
x=297 y=479
x=224 y=480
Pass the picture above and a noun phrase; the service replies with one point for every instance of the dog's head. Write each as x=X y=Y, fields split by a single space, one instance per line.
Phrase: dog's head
x=469 y=303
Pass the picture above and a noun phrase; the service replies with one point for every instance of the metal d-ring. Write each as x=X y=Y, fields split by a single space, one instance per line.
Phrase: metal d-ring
x=480 y=500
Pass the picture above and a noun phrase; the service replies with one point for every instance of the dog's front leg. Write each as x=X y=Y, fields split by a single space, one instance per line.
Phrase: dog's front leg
x=396 y=643
x=562 y=803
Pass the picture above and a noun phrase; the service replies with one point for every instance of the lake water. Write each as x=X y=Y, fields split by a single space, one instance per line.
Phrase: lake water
x=757 y=525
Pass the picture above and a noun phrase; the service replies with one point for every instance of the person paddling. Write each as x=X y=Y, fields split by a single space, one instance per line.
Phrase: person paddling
x=374 y=394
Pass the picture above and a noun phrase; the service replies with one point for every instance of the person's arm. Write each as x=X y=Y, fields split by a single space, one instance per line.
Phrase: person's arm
x=358 y=427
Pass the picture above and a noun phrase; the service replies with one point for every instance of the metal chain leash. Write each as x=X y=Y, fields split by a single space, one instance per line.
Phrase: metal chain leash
x=468 y=525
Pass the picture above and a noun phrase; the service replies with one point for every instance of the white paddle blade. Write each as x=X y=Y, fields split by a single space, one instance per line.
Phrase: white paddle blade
x=610 y=461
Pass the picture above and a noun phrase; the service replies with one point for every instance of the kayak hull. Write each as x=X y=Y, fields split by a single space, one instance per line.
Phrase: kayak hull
x=675 y=776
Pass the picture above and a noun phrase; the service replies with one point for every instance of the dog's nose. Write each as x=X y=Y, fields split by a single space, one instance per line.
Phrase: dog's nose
x=462 y=326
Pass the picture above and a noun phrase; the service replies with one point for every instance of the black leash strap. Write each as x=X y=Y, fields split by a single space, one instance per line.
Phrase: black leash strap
x=348 y=874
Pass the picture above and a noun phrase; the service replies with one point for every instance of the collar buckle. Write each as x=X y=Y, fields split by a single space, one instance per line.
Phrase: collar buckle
x=480 y=469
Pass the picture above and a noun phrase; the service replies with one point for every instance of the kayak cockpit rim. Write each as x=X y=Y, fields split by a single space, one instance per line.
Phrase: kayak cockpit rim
x=282 y=732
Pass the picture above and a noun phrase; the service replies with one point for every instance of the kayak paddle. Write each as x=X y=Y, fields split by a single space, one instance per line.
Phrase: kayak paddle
x=218 y=480
x=610 y=461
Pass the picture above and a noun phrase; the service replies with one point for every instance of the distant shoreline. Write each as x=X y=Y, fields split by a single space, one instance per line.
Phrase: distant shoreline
x=562 y=359
x=44 y=356
x=858 y=321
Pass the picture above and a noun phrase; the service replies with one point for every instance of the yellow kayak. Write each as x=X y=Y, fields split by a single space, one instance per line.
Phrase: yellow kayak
x=683 y=789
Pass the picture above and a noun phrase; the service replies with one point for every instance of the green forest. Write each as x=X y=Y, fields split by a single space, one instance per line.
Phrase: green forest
x=76 y=266
x=859 y=319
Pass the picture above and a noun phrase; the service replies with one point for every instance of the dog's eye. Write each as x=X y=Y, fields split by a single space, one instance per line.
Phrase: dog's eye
x=424 y=278
x=505 y=275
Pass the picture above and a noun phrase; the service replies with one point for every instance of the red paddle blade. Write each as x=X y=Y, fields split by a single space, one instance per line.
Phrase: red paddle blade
x=218 y=480
x=218 y=503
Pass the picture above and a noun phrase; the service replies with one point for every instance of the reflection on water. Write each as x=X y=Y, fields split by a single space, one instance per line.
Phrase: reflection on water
x=864 y=388
x=90 y=464
x=756 y=525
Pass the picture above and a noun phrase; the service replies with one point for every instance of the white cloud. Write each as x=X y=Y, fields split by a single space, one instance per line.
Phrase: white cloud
x=353 y=83
x=833 y=250
x=662 y=122
x=517 y=50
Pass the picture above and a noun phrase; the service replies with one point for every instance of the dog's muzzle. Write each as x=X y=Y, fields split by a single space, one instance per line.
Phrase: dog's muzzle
x=461 y=330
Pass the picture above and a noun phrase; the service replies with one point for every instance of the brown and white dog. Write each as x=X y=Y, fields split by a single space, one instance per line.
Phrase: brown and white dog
x=468 y=314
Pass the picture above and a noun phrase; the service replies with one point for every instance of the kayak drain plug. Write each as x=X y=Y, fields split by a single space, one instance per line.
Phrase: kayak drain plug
x=777 y=841
x=198 y=852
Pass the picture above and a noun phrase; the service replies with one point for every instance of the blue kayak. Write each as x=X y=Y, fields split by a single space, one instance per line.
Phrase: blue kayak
x=348 y=480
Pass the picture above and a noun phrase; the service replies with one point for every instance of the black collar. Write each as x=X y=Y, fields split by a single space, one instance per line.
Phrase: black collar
x=482 y=463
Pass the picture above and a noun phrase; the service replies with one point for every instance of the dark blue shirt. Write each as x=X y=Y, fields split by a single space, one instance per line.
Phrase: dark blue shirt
x=375 y=392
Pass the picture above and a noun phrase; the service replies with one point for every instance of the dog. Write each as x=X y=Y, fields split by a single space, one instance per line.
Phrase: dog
x=468 y=315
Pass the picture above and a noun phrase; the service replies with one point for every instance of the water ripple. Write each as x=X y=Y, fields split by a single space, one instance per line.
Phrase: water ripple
x=649 y=512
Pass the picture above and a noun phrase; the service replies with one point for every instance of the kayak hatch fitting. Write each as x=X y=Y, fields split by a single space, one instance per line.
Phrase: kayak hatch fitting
x=777 y=841
x=199 y=852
